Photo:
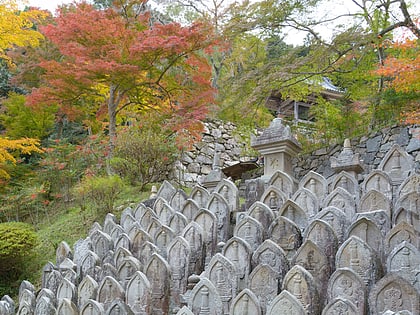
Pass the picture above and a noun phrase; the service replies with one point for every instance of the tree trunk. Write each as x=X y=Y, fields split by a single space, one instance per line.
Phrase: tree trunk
x=113 y=102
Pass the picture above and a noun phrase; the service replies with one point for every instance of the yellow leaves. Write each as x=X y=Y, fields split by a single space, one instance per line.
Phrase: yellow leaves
x=23 y=146
x=17 y=27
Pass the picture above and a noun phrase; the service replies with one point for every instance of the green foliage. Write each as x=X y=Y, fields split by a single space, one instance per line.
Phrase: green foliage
x=64 y=165
x=336 y=121
x=241 y=98
x=5 y=84
x=28 y=201
x=20 y=120
x=144 y=154
x=392 y=106
x=100 y=191
x=17 y=241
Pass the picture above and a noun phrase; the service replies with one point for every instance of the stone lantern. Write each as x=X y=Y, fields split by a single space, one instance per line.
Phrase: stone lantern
x=278 y=147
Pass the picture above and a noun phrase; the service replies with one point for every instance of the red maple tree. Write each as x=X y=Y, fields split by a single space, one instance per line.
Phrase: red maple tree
x=402 y=68
x=113 y=62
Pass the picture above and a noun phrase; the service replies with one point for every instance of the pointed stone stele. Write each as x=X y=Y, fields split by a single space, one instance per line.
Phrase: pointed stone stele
x=216 y=175
x=347 y=161
x=278 y=146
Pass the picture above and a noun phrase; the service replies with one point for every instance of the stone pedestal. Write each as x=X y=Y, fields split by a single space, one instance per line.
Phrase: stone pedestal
x=347 y=161
x=278 y=146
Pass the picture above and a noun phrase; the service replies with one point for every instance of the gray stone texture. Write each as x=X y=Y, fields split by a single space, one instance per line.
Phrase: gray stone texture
x=323 y=241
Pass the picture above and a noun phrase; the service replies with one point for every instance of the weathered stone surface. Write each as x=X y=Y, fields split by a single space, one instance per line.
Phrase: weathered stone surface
x=184 y=311
x=208 y=222
x=286 y=303
x=63 y=251
x=336 y=219
x=250 y=230
x=300 y=283
x=178 y=259
x=357 y=255
x=375 y=200
x=109 y=290
x=284 y=182
x=204 y=299
x=53 y=280
x=274 y=198
x=253 y=192
x=404 y=260
x=307 y=201
x=397 y=164
x=178 y=200
x=393 y=293
x=222 y=273
x=271 y=254
x=45 y=306
x=190 y=209
x=101 y=243
x=200 y=195
x=379 y=181
x=219 y=206
x=402 y=232
x=345 y=181
x=138 y=241
x=343 y=200
x=163 y=210
x=228 y=190
x=92 y=307
x=87 y=289
x=294 y=213
x=323 y=235
x=239 y=253
x=313 y=259
x=316 y=184
x=127 y=267
x=373 y=144
x=340 y=306
x=27 y=301
x=263 y=214
x=67 y=307
x=246 y=302
x=369 y=232
x=286 y=234
x=138 y=294
x=66 y=290
x=166 y=191
x=158 y=273
x=345 y=284
x=162 y=238
x=264 y=281
x=120 y=308
x=177 y=222
x=171 y=251
x=193 y=233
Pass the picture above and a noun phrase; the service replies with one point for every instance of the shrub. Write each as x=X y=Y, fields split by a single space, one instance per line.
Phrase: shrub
x=100 y=191
x=17 y=241
x=144 y=155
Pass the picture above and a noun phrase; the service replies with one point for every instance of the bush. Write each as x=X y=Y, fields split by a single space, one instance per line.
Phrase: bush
x=144 y=155
x=100 y=191
x=17 y=241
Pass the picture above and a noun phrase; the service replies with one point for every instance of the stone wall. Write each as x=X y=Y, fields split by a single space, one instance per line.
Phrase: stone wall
x=371 y=148
x=197 y=163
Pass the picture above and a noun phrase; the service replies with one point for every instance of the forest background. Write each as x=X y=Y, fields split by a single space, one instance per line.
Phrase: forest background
x=99 y=99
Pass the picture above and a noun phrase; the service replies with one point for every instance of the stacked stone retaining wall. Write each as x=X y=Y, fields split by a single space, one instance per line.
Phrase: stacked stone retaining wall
x=371 y=149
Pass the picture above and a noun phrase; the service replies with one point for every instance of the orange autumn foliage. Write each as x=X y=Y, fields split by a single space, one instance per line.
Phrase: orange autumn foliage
x=402 y=69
